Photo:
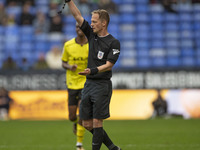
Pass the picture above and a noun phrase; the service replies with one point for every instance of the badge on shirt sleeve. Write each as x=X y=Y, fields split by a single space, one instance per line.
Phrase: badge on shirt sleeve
x=115 y=51
x=100 y=55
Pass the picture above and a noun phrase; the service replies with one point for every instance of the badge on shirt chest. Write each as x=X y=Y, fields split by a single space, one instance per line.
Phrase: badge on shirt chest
x=100 y=55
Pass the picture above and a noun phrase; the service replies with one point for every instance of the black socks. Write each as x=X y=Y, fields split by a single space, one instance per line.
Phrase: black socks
x=97 y=140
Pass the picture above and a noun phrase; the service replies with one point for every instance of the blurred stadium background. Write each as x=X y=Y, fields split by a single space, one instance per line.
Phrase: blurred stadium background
x=160 y=49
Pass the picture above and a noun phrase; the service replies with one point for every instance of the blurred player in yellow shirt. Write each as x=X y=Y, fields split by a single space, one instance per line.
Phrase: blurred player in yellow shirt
x=74 y=60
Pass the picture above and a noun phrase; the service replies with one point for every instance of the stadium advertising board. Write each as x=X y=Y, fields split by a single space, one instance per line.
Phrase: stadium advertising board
x=55 y=80
x=125 y=104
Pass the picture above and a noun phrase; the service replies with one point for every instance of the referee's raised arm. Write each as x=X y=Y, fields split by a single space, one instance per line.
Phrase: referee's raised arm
x=75 y=12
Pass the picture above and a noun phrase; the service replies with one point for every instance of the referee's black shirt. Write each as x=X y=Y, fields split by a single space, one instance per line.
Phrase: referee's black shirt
x=101 y=49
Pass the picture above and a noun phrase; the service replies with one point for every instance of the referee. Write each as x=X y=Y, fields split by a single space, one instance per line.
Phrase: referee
x=104 y=51
x=75 y=59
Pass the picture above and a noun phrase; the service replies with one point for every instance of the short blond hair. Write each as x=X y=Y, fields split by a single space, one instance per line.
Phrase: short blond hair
x=103 y=15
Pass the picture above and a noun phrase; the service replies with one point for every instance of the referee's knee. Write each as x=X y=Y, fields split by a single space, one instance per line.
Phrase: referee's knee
x=87 y=125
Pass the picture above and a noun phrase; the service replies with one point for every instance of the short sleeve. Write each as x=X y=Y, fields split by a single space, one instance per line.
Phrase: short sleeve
x=114 y=51
x=65 y=54
x=87 y=30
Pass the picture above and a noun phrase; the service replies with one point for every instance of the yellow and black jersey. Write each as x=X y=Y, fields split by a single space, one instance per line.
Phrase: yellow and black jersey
x=74 y=53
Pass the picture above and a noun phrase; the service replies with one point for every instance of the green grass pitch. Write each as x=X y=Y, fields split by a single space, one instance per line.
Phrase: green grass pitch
x=156 y=134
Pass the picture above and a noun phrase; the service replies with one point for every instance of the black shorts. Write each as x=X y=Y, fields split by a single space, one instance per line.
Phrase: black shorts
x=74 y=96
x=95 y=99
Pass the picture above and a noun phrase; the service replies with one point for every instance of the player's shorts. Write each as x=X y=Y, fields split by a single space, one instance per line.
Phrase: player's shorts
x=74 y=96
x=95 y=99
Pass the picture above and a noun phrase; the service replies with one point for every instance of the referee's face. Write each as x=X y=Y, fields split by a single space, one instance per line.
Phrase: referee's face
x=96 y=23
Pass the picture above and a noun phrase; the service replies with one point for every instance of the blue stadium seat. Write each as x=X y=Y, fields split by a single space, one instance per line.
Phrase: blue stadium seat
x=198 y=61
x=43 y=2
x=114 y=18
x=187 y=43
x=113 y=27
x=42 y=8
x=156 y=26
x=127 y=18
x=126 y=8
x=142 y=1
x=187 y=52
x=69 y=28
x=171 y=43
x=11 y=47
x=187 y=34
x=140 y=27
x=127 y=63
x=143 y=52
x=128 y=44
x=170 y=17
x=196 y=17
x=185 y=17
x=145 y=44
x=171 y=26
x=41 y=46
x=141 y=8
x=197 y=34
x=156 y=8
x=14 y=10
x=69 y=19
x=127 y=35
x=144 y=62
x=196 y=26
x=157 y=35
x=26 y=46
x=185 y=8
x=126 y=1
x=2 y=29
x=196 y=8
x=142 y=17
x=173 y=61
x=172 y=35
x=41 y=37
x=156 y=17
x=27 y=29
x=188 y=61
x=143 y=35
x=157 y=52
x=158 y=62
x=186 y=26
x=173 y=52
x=117 y=1
x=158 y=43
x=11 y=30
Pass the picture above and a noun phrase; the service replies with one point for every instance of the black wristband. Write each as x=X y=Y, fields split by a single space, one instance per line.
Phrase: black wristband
x=66 y=1
x=93 y=71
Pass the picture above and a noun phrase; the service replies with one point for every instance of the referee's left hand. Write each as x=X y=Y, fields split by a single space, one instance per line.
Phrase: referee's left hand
x=85 y=72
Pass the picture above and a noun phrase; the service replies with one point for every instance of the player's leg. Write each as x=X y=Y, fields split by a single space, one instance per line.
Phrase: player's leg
x=73 y=102
x=101 y=111
x=80 y=134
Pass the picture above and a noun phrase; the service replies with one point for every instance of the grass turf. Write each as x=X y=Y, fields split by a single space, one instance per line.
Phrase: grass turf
x=156 y=134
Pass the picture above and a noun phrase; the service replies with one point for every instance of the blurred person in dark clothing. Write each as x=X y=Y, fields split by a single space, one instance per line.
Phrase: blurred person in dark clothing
x=3 y=14
x=41 y=63
x=9 y=63
x=5 y=101
x=108 y=5
x=56 y=24
x=26 y=18
x=159 y=105
x=41 y=23
x=167 y=4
